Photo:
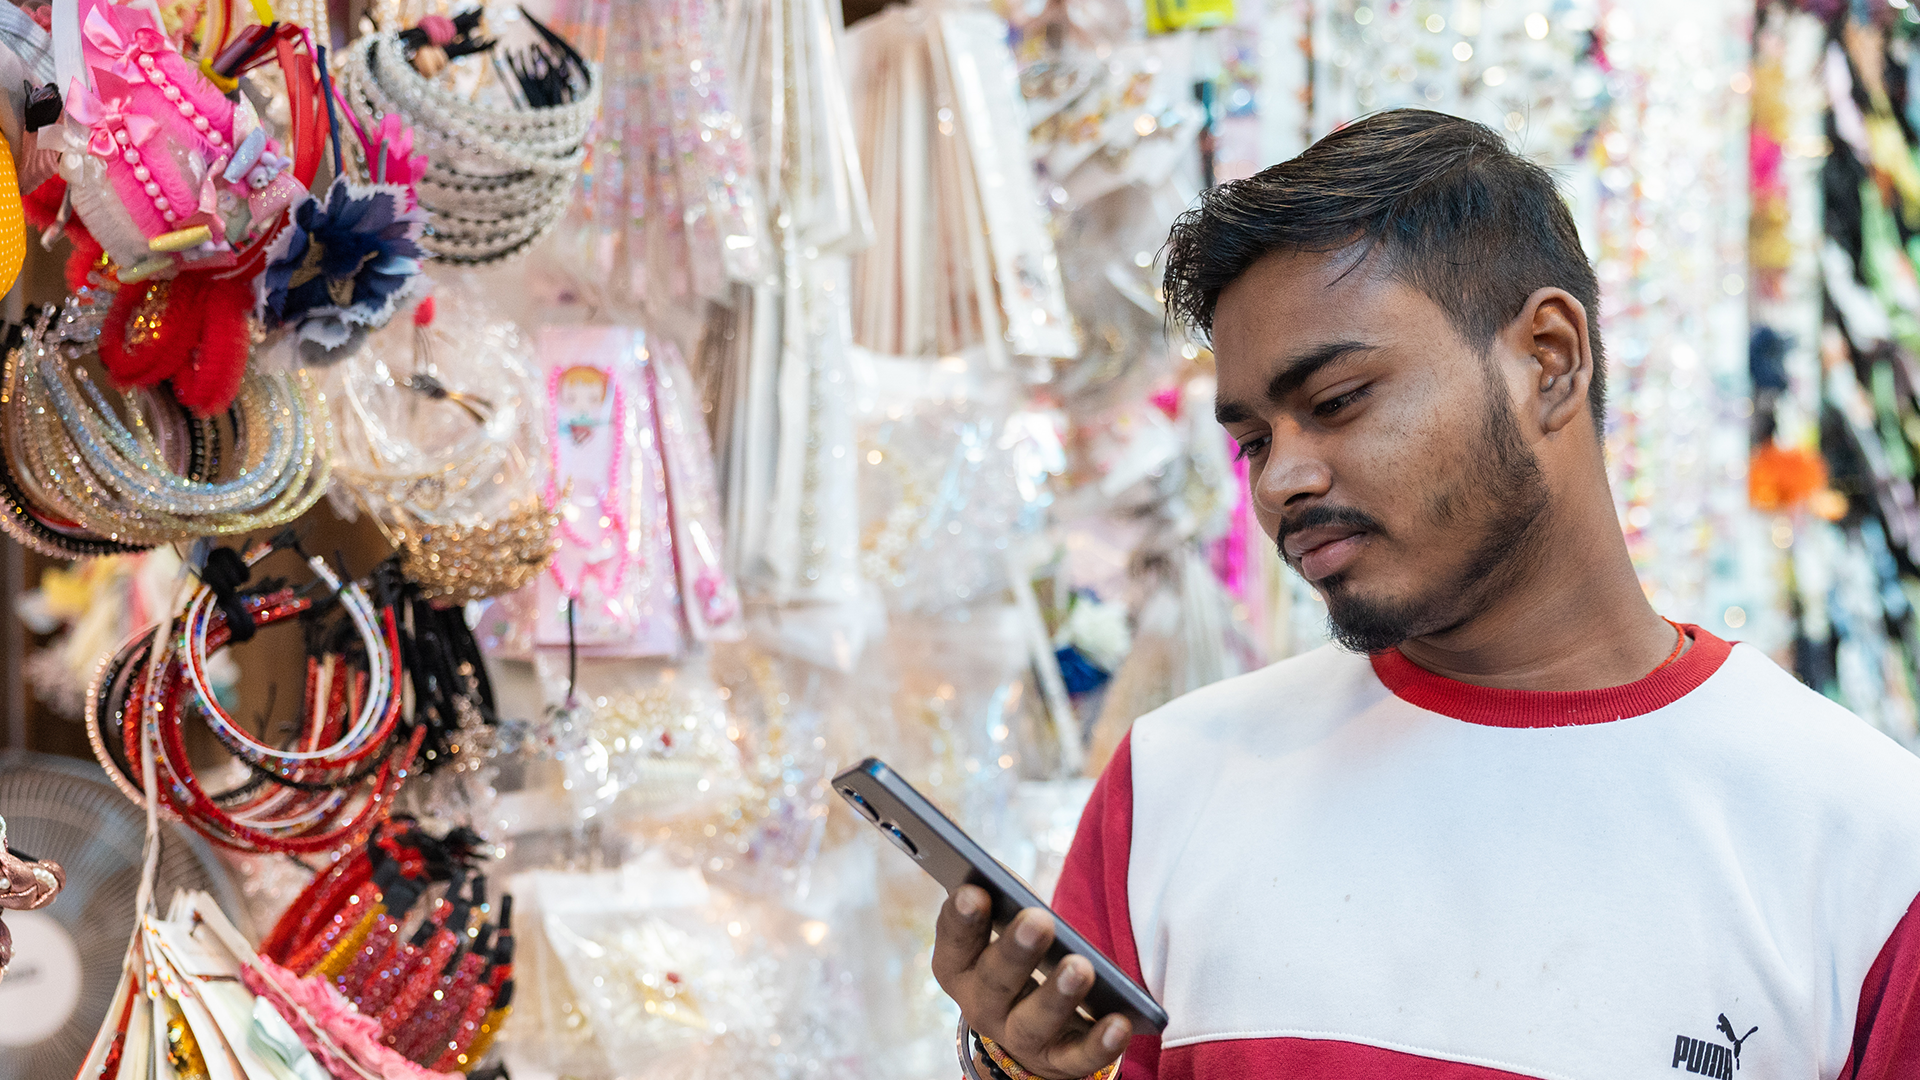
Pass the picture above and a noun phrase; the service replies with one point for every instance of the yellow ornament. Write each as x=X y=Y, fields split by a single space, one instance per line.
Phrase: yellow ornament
x=13 y=230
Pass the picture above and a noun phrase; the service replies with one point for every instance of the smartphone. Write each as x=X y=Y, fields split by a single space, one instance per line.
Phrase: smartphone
x=930 y=838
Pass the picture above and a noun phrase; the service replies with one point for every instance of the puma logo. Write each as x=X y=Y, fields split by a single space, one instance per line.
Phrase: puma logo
x=1708 y=1058
x=1726 y=1027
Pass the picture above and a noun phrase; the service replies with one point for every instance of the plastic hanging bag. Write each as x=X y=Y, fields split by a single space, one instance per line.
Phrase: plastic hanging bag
x=660 y=978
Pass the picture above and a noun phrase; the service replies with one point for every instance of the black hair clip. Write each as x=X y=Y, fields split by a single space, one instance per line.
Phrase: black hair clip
x=224 y=572
x=43 y=105
x=550 y=72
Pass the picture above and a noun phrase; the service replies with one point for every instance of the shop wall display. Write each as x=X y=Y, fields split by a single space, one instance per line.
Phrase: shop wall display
x=488 y=468
x=1829 y=357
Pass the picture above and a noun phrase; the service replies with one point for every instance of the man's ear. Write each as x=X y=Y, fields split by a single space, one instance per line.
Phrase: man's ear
x=1552 y=329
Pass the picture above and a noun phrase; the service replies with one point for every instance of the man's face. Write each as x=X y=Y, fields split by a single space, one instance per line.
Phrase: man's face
x=1385 y=457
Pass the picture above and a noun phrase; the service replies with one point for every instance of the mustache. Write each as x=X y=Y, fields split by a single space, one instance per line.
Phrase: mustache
x=1315 y=516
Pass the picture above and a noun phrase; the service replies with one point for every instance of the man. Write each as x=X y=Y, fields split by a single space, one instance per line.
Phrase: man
x=1519 y=825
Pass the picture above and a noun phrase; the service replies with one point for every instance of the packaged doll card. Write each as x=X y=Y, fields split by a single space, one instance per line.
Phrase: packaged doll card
x=613 y=587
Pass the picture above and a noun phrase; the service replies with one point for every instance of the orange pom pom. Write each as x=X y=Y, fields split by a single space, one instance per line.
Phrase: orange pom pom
x=1782 y=478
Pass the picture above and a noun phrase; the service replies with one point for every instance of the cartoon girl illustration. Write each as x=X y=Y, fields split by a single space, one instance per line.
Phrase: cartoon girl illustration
x=581 y=405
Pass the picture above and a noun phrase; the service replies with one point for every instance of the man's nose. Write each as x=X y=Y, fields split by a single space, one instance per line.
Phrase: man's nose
x=1295 y=471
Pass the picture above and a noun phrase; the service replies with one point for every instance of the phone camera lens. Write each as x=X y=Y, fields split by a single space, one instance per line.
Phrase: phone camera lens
x=860 y=804
x=900 y=839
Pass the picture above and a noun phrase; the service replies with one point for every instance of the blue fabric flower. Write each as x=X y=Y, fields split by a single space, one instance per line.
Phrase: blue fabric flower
x=341 y=268
x=1079 y=672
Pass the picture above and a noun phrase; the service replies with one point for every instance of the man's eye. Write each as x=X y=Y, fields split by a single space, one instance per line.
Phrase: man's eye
x=1251 y=447
x=1334 y=405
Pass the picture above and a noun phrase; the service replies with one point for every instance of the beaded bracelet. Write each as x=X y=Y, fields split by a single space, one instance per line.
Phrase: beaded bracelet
x=1008 y=1069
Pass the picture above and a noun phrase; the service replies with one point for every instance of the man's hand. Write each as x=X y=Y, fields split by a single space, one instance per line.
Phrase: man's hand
x=992 y=981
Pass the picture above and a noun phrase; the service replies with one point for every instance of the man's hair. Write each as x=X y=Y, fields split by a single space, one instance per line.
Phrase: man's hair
x=1444 y=202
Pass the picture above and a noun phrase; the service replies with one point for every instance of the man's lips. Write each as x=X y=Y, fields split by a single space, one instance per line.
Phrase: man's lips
x=1324 y=550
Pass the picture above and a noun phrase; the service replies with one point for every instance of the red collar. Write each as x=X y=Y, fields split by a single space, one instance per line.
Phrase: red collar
x=1552 y=708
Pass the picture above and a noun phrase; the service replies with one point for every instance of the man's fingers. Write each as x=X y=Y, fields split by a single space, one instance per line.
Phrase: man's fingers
x=961 y=931
x=1004 y=969
x=1091 y=1052
x=1046 y=1017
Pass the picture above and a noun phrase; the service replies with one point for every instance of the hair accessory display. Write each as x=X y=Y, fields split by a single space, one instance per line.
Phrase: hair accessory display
x=190 y=211
x=311 y=795
x=408 y=1002
x=85 y=478
x=500 y=172
x=182 y=191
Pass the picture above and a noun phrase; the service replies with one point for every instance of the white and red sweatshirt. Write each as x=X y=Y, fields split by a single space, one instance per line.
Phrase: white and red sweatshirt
x=1348 y=867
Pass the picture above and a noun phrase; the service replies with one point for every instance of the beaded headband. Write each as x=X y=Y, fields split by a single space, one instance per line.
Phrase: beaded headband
x=497 y=179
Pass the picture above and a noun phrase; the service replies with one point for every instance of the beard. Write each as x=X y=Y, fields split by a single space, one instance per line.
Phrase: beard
x=1502 y=494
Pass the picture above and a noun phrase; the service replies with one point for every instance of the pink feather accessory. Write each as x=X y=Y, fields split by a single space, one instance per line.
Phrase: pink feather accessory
x=347 y=1031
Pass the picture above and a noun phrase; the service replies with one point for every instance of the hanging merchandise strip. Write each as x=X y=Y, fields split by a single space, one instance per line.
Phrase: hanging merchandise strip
x=637 y=571
x=609 y=590
x=944 y=131
x=499 y=175
x=1669 y=224
x=786 y=423
x=670 y=205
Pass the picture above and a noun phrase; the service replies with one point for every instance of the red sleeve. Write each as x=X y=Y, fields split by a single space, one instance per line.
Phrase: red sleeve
x=1092 y=894
x=1886 y=1036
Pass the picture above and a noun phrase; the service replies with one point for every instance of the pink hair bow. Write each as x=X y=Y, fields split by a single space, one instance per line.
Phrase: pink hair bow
x=104 y=116
x=105 y=32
